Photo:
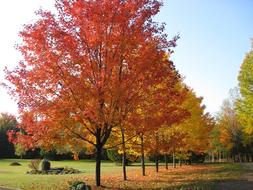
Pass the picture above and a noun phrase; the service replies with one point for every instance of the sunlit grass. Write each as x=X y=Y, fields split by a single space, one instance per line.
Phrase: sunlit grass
x=15 y=176
x=195 y=176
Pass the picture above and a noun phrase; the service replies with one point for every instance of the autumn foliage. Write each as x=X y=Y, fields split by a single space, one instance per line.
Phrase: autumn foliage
x=95 y=68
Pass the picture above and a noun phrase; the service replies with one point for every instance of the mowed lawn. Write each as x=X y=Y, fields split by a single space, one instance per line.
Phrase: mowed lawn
x=194 y=176
x=15 y=176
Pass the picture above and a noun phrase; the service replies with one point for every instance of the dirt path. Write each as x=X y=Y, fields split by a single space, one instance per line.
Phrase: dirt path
x=245 y=182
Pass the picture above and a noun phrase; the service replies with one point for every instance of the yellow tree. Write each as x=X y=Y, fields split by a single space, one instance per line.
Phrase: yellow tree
x=229 y=127
x=194 y=129
x=164 y=111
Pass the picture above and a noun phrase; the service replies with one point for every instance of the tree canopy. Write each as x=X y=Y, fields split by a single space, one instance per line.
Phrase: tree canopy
x=85 y=66
x=245 y=103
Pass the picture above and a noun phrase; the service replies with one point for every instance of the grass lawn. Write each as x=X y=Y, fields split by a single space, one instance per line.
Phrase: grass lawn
x=205 y=176
x=15 y=176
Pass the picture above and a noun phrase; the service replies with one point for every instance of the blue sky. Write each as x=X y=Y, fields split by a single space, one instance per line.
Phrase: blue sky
x=215 y=35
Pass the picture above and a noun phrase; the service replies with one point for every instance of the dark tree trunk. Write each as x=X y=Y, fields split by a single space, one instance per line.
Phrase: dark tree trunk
x=156 y=152
x=166 y=161
x=124 y=154
x=101 y=139
x=180 y=159
x=156 y=162
x=174 y=159
x=98 y=164
x=142 y=156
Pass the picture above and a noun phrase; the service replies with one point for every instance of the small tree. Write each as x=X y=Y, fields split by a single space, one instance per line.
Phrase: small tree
x=19 y=150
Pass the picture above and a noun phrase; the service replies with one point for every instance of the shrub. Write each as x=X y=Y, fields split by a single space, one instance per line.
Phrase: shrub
x=67 y=170
x=55 y=171
x=15 y=164
x=78 y=185
x=34 y=164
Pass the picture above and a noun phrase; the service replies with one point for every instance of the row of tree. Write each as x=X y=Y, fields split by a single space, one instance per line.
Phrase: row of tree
x=232 y=137
x=97 y=75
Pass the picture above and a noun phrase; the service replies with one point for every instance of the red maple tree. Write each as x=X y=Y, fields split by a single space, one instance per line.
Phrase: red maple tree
x=81 y=66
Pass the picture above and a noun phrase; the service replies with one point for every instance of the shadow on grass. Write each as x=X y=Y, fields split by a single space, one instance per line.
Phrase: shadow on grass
x=221 y=169
x=200 y=185
x=227 y=177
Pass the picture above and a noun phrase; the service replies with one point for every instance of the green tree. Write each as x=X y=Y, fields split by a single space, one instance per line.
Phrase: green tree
x=245 y=102
x=7 y=122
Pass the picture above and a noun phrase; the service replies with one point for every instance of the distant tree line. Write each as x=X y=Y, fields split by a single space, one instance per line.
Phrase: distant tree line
x=9 y=150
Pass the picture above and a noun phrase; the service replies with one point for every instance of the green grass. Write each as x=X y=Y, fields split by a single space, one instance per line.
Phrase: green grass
x=15 y=176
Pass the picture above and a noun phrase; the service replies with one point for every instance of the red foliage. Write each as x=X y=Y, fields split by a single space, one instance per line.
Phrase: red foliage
x=83 y=65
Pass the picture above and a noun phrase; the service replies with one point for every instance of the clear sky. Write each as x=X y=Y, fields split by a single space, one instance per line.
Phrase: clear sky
x=215 y=35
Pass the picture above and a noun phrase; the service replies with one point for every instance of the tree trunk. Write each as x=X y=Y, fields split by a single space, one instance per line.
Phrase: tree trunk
x=174 y=159
x=98 y=163
x=212 y=157
x=142 y=156
x=166 y=161
x=247 y=155
x=156 y=152
x=239 y=158
x=156 y=162
x=124 y=154
x=180 y=159
x=207 y=158
x=250 y=158
x=219 y=156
